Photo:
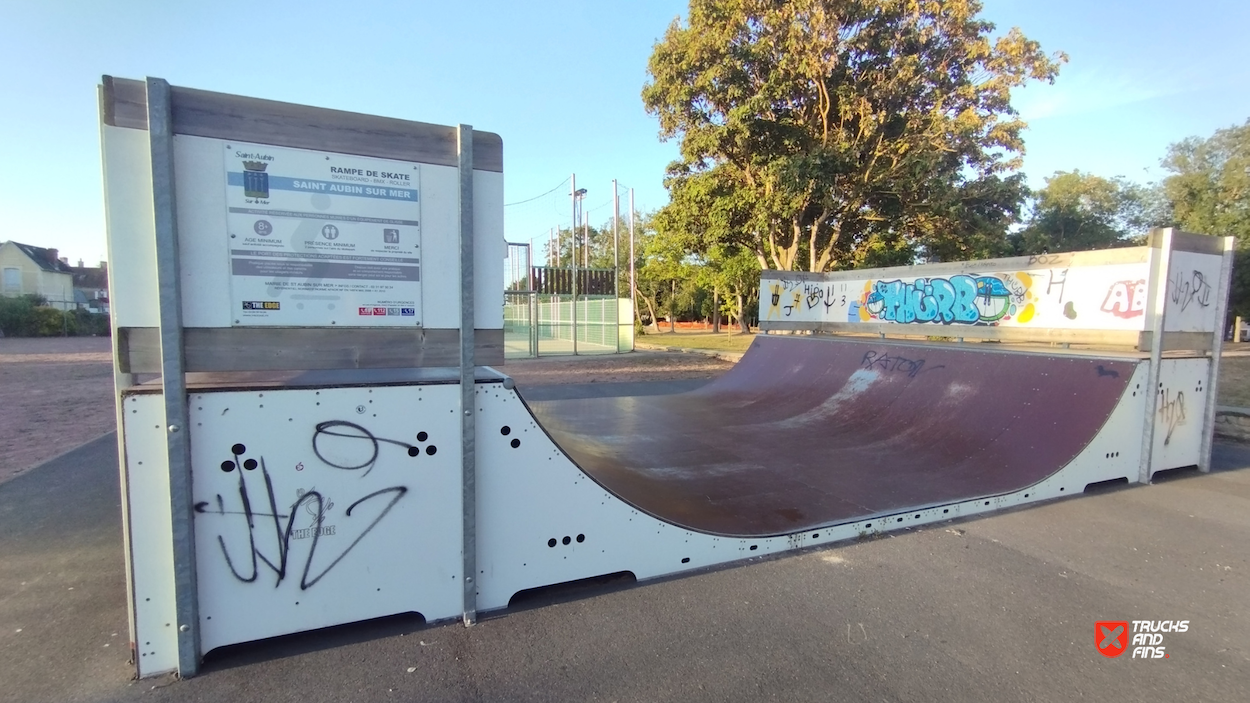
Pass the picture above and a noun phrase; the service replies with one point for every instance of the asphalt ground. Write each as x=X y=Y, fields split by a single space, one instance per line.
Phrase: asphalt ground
x=998 y=608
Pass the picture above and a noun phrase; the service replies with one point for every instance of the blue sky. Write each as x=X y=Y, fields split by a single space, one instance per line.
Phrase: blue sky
x=560 y=81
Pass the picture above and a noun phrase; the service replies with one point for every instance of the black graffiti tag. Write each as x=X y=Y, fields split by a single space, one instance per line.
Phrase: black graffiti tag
x=1171 y=411
x=1195 y=289
x=885 y=362
x=256 y=517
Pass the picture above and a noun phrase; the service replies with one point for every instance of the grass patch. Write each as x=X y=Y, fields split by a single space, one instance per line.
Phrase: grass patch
x=731 y=342
x=1234 y=386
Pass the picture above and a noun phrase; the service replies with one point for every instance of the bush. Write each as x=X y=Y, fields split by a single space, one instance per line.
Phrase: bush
x=17 y=317
x=27 y=316
x=50 y=322
x=92 y=324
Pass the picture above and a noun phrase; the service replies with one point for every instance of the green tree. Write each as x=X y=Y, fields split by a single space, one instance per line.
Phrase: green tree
x=1078 y=211
x=735 y=274
x=823 y=134
x=1209 y=193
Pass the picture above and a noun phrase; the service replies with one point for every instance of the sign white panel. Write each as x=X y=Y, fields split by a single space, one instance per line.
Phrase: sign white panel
x=319 y=239
x=1105 y=297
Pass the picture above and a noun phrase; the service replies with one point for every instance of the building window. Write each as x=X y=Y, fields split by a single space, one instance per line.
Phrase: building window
x=12 y=280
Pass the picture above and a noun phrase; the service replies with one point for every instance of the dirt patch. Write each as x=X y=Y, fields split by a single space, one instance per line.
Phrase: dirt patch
x=55 y=394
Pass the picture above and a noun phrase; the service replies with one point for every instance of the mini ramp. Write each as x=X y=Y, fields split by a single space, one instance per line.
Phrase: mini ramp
x=327 y=441
x=807 y=432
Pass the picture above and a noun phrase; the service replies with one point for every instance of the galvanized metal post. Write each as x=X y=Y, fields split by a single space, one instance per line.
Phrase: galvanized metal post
x=1160 y=258
x=633 y=286
x=616 y=262
x=573 y=262
x=173 y=378
x=468 y=424
x=1217 y=348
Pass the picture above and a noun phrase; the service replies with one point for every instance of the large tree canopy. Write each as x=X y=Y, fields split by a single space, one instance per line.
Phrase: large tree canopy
x=822 y=134
x=1076 y=211
x=1209 y=191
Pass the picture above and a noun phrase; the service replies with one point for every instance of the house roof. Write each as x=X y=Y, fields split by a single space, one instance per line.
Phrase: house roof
x=90 y=278
x=43 y=257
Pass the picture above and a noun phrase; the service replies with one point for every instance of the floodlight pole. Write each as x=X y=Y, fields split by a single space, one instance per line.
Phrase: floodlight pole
x=633 y=286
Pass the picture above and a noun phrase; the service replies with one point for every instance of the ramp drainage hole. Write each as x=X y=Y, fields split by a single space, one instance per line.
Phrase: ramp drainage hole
x=227 y=466
x=581 y=538
x=422 y=436
x=414 y=451
x=249 y=464
x=551 y=542
x=685 y=560
x=815 y=535
x=515 y=443
x=900 y=519
x=431 y=450
x=505 y=430
x=754 y=547
x=567 y=539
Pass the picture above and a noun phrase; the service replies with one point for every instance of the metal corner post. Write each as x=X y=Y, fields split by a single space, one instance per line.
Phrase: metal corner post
x=468 y=385
x=173 y=378
x=1160 y=260
x=1217 y=349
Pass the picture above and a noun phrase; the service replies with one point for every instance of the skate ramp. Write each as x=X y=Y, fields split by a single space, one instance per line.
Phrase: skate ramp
x=805 y=432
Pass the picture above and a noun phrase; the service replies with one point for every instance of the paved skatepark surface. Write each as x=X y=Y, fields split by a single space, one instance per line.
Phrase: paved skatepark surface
x=811 y=432
x=989 y=609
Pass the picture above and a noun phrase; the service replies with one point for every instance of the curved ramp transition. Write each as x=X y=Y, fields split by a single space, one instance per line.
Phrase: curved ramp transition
x=807 y=432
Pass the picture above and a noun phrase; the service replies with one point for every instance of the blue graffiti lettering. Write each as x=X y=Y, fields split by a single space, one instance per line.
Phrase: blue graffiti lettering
x=960 y=300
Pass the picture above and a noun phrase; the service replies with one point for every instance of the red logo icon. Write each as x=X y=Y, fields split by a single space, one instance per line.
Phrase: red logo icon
x=365 y=311
x=1111 y=637
x=379 y=311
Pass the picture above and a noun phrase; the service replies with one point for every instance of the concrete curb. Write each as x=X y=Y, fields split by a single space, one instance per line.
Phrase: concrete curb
x=735 y=357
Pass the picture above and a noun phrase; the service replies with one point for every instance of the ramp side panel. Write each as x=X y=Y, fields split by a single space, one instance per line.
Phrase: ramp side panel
x=317 y=507
x=1182 y=397
x=811 y=432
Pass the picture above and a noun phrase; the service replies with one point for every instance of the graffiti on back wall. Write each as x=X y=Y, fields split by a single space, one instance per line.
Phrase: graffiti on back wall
x=954 y=300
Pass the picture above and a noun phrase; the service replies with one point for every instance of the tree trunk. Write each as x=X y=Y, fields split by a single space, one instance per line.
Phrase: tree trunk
x=715 y=310
x=651 y=312
x=742 y=318
x=672 y=306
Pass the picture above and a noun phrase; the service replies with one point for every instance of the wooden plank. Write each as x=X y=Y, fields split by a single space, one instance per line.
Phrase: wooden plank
x=1178 y=341
x=123 y=103
x=204 y=113
x=1127 y=338
x=270 y=349
x=1198 y=243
